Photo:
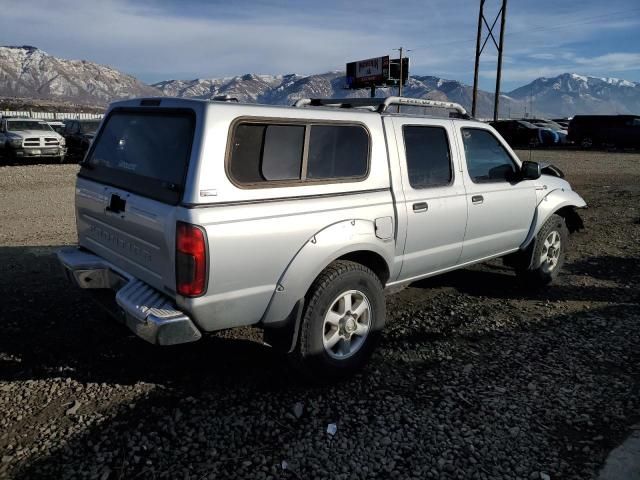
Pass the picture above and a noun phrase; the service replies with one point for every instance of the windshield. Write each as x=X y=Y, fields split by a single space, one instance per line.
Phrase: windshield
x=89 y=127
x=527 y=124
x=17 y=125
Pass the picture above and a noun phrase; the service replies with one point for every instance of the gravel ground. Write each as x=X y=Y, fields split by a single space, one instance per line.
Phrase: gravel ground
x=475 y=378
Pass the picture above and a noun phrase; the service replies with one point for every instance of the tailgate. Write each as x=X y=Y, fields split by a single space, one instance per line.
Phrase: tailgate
x=129 y=187
x=139 y=238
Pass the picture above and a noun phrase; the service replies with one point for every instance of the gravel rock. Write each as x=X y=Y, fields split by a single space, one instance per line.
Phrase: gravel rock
x=298 y=409
x=476 y=377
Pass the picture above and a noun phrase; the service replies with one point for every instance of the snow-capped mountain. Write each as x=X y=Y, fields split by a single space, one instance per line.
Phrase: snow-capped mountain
x=30 y=72
x=247 y=88
x=286 y=89
x=570 y=93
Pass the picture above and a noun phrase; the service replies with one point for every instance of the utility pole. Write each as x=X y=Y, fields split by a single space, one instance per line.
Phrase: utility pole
x=400 y=82
x=496 y=103
x=477 y=64
x=401 y=50
x=502 y=14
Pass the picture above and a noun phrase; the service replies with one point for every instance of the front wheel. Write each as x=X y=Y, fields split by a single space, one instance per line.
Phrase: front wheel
x=549 y=253
x=342 y=321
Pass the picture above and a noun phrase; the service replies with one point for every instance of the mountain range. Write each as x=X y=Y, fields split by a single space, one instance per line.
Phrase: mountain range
x=28 y=72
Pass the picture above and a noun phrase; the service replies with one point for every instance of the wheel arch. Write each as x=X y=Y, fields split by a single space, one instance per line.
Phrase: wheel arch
x=561 y=202
x=353 y=240
x=371 y=260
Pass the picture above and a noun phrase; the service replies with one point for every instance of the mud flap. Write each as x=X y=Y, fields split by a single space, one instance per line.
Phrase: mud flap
x=283 y=336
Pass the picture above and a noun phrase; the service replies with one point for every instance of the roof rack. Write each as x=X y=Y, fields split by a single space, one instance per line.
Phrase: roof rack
x=380 y=104
x=225 y=98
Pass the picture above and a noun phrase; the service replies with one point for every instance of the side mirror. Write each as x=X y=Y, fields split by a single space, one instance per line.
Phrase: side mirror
x=530 y=170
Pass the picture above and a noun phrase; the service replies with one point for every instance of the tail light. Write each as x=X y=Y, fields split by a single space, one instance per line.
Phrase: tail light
x=191 y=260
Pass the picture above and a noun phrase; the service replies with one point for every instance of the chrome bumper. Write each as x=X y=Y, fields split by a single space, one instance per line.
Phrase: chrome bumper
x=31 y=152
x=148 y=313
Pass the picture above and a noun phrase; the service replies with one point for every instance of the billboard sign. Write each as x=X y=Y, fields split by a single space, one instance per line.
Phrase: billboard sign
x=394 y=71
x=377 y=72
x=365 y=73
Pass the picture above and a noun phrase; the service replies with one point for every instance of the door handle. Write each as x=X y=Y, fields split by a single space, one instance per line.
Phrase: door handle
x=477 y=199
x=420 y=207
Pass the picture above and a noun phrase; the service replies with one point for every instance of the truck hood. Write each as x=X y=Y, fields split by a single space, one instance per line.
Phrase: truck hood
x=32 y=133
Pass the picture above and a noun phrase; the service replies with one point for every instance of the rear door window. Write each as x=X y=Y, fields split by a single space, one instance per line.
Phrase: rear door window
x=146 y=152
x=428 y=156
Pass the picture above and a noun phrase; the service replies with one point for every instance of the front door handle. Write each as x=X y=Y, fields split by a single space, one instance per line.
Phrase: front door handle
x=477 y=199
x=420 y=207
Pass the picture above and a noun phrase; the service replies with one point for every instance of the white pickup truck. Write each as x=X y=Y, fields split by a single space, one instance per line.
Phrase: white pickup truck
x=24 y=138
x=204 y=216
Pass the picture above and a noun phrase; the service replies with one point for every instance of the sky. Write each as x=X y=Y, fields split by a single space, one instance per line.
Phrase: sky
x=158 y=40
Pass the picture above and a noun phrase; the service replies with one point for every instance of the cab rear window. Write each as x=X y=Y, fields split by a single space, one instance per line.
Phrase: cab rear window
x=146 y=152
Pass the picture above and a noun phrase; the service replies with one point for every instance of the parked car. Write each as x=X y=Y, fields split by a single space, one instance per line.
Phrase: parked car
x=622 y=131
x=563 y=122
x=551 y=125
x=521 y=133
x=56 y=125
x=203 y=216
x=79 y=134
x=559 y=135
x=23 y=138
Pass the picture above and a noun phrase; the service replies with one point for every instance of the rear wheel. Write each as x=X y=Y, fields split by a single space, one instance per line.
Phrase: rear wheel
x=586 y=142
x=549 y=252
x=342 y=321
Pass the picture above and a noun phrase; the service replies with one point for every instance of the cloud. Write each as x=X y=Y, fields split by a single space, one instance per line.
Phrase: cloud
x=602 y=65
x=543 y=56
x=161 y=39
x=150 y=40
x=613 y=62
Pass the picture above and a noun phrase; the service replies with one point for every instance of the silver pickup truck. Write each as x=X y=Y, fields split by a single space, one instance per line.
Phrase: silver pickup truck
x=204 y=216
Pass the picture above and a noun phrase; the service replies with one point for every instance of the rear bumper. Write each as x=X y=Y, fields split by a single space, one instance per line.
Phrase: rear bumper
x=150 y=314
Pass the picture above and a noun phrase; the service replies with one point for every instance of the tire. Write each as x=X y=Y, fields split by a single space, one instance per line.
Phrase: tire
x=586 y=142
x=548 y=254
x=336 y=339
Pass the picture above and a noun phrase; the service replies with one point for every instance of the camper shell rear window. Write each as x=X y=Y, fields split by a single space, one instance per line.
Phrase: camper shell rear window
x=144 y=151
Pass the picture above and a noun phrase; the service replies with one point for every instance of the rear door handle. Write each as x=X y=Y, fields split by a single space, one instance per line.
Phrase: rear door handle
x=477 y=199
x=420 y=207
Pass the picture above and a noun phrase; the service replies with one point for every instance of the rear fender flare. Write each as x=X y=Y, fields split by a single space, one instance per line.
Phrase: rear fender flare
x=327 y=245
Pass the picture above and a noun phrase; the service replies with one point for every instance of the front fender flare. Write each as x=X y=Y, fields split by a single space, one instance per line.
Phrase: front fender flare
x=551 y=203
x=327 y=245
